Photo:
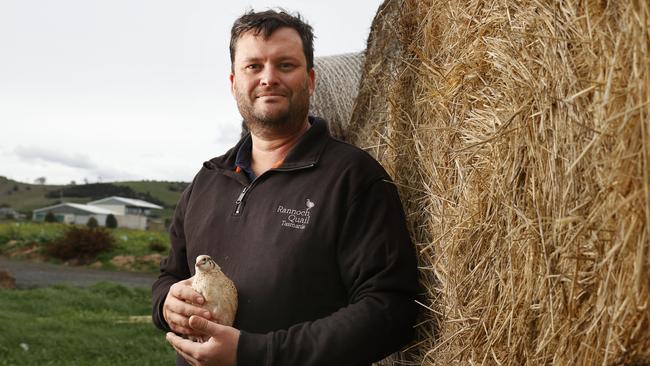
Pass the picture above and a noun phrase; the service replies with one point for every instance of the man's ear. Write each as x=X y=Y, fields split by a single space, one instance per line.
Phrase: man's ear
x=232 y=83
x=312 y=81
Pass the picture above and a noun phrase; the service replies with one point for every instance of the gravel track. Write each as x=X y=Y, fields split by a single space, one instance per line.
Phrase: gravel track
x=36 y=274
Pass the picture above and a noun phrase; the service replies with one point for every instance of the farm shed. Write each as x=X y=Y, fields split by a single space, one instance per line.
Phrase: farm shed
x=73 y=213
x=130 y=213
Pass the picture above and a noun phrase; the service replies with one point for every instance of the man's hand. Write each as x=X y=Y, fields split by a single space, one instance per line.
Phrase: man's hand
x=178 y=307
x=220 y=349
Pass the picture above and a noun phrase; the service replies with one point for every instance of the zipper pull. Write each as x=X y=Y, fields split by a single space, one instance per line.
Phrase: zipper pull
x=239 y=200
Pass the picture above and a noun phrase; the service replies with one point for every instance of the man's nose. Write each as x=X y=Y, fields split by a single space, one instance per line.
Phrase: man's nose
x=269 y=76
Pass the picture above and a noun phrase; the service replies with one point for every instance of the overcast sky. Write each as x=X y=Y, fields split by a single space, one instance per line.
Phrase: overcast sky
x=120 y=90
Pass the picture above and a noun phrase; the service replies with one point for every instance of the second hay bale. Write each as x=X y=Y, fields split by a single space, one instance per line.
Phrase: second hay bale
x=519 y=136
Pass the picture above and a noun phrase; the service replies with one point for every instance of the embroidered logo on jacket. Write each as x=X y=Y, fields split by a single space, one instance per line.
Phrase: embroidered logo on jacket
x=296 y=218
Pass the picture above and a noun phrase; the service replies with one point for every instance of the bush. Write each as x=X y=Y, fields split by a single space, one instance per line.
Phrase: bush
x=81 y=243
x=92 y=222
x=111 y=221
x=157 y=246
x=50 y=217
x=177 y=186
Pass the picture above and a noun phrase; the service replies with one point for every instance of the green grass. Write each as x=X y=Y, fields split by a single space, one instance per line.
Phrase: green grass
x=23 y=196
x=16 y=237
x=136 y=242
x=29 y=232
x=63 y=325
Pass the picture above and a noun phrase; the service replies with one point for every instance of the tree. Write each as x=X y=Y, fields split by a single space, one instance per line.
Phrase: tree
x=40 y=180
x=111 y=221
x=49 y=217
x=92 y=222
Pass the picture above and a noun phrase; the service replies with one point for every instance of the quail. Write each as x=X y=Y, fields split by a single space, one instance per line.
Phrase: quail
x=218 y=290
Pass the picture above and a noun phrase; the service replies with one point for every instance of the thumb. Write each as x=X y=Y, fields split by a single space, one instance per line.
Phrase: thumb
x=205 y=326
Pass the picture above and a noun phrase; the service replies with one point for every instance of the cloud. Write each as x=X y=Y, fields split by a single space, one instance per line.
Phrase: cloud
x=79 y=161
x=227 y=136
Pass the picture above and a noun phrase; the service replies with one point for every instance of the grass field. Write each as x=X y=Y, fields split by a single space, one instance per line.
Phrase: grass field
x=106 y=324
x=27 y=239
x=25 y=197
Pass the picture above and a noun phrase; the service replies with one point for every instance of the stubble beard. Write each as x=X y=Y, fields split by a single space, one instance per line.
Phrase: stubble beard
x=282 y=123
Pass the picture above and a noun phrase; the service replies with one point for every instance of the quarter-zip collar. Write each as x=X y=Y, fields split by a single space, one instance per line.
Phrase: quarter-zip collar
x=244 y=158
x=305 y=153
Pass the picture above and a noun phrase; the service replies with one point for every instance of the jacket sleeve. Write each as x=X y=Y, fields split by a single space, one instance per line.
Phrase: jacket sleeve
x=173 y=268
x=378 y=266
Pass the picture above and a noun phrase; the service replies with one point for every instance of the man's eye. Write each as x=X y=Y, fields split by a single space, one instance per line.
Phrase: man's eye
x=253 y=67
x=286 y=66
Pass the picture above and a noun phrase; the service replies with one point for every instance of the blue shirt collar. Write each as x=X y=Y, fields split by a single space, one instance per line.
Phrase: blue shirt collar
x=244 y=158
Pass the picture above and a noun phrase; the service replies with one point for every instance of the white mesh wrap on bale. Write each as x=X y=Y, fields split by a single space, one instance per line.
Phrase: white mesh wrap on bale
x=337 y=85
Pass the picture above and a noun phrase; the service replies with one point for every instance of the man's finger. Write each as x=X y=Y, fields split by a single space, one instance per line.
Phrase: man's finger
x=182 y=330
x=180 y=324
x=182 y=346
x=177 y=319
x=186 y=309
x=185 y=292
x=205 y=326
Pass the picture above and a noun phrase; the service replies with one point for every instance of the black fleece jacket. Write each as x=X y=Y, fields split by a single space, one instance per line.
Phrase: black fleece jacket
x=317 y=248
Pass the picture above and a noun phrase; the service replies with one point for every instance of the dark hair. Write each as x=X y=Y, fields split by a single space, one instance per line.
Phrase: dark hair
x=267 y=22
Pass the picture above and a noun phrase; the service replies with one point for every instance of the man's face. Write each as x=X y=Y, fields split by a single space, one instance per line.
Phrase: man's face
x=271 y=83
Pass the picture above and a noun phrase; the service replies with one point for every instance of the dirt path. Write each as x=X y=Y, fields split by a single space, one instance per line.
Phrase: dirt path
x=34 y=274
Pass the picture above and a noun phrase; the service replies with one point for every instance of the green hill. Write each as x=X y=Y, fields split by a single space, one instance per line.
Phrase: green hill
x=25 y=197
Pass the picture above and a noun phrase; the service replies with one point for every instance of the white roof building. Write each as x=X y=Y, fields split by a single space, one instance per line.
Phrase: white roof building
x=115 y=200
x=129 y=212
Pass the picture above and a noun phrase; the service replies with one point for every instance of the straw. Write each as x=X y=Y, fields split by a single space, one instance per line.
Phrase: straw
x=518 y=135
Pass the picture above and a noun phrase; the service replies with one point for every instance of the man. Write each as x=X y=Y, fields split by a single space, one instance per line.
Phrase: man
x=310 y=229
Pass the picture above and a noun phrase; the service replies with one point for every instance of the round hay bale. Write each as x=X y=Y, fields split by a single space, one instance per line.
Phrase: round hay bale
x=518 y=134
x=337 y=83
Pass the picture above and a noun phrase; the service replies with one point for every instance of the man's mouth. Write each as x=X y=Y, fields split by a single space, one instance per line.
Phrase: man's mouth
x=269 y=94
